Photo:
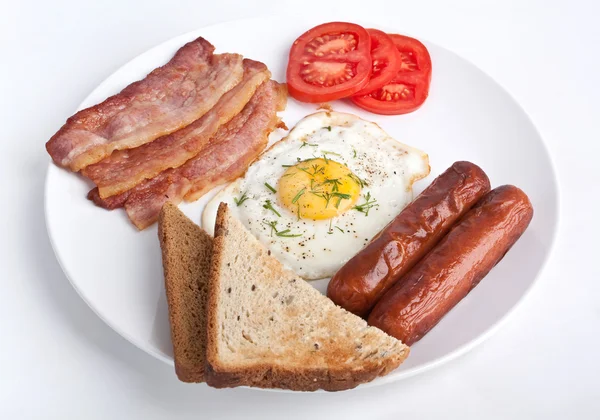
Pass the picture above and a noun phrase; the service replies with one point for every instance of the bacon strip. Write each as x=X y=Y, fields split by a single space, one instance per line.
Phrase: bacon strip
x=235 y=146
x=167 y=99
x=125 y=169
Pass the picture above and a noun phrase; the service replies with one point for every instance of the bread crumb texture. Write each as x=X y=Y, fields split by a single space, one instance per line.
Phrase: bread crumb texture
x=269 y=328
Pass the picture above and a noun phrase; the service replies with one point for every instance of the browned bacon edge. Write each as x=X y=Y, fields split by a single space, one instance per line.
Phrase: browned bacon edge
x=235 y=146
x=170 y=97
x=125 y=169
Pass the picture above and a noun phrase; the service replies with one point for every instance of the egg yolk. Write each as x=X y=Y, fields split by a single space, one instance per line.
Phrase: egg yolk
x=318 y=189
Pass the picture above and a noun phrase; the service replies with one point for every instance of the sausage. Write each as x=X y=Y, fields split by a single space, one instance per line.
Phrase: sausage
x=418 y=301
x=358 y=285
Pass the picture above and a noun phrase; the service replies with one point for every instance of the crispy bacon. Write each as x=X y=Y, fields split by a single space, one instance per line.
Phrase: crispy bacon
x=235 y=147
x=230 y=152
x=125 y=169
x=112 y=202
x=167 y=99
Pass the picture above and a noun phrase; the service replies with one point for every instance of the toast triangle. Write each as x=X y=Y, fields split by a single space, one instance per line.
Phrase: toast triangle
x=186 y=254
x=268 y=328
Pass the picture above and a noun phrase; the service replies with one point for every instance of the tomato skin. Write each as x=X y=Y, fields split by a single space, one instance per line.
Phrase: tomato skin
x=387 y=57
x=409 y=89
x=377 y=106
x=406 y=44
x=330 y=61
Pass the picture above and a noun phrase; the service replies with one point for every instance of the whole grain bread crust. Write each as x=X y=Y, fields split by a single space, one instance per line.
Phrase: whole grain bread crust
x=186 y=252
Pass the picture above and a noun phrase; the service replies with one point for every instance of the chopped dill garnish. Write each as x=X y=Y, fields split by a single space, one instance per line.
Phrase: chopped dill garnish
x=361 y=183
x=305 y=143
x=367 y=205
x=330 y=231
x=335 y=183
x=341 y=195
x=327 y=152
x=272 y=225
x=269 y=206
x=325 y=196
x=297 y=196
x=316 y=169
x=287 y=166
x=284 y=233
x=306 y=170
x=328 y=196
x=353 y=152
x=239 y=201
x=270 y=187
x=328 y=128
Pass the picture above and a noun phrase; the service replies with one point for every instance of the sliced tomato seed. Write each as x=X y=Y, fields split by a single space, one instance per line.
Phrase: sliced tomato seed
x=328 y=62
x=331 y=44
x=377 y=67
x=409 y=89
x=327 y=73
x=409 y=61
x=395 y=92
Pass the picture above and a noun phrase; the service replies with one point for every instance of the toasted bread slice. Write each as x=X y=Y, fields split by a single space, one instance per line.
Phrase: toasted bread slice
x=186 y=254
x=269 y=328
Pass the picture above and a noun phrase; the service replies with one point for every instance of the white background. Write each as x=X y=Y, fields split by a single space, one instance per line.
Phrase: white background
x=59 y=361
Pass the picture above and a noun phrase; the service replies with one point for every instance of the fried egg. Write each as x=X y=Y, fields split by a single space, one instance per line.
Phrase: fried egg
x=318 y=196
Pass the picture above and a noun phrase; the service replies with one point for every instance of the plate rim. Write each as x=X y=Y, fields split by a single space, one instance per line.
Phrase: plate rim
x=465 y=348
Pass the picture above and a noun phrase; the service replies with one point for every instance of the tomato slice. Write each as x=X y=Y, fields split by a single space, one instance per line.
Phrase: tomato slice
x=386 y=61
x=407 y=91
x=328 y=62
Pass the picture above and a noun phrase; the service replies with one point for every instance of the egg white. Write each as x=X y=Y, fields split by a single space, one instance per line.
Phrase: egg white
x=389 y=168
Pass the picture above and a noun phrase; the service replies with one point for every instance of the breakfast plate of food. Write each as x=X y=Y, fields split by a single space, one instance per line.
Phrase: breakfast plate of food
x=339 y=205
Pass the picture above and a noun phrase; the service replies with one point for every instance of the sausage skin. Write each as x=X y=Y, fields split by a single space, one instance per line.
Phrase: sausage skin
x=359 y=284
x=455 y=266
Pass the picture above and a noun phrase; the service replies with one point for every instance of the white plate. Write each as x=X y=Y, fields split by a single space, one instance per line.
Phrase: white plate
x=468 y=116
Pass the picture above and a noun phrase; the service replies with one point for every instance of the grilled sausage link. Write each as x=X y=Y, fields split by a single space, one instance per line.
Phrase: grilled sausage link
x=359 y=284
x=419 y=300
